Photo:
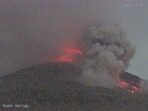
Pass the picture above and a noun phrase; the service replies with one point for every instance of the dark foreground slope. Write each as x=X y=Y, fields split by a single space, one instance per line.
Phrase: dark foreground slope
x=55 y=87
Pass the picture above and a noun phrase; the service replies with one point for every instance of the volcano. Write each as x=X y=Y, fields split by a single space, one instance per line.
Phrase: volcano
x=52 y=85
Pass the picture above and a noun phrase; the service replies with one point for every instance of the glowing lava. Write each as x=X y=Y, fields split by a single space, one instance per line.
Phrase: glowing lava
x=69 y=55
x=129 y=87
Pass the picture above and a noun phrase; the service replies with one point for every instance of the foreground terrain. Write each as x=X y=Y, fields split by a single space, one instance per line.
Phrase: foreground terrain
x=55 y=87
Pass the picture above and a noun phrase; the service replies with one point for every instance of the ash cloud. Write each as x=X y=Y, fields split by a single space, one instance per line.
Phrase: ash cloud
x=108 y=53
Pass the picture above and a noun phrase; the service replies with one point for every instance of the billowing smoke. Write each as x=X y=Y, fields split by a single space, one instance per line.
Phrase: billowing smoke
x=108 y=52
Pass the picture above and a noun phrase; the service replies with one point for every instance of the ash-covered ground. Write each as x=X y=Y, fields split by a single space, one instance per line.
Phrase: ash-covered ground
x=56 y=87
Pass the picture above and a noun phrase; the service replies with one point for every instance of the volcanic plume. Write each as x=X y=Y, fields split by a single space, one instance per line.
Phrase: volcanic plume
x=104 y=53
x=107 y=54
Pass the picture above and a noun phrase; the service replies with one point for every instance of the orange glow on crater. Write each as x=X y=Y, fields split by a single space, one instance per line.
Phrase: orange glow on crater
x=69 y=55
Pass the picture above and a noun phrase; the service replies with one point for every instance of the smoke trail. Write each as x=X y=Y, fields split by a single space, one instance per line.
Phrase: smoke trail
x=108 y=52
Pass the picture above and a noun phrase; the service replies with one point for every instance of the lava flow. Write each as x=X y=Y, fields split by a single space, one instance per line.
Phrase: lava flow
x=70 y=55
x=130 y=83
x=130 y=87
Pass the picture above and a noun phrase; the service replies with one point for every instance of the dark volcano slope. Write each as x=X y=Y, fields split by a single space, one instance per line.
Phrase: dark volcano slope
x=53 y=83
x=56 y=84
x=40 y=76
